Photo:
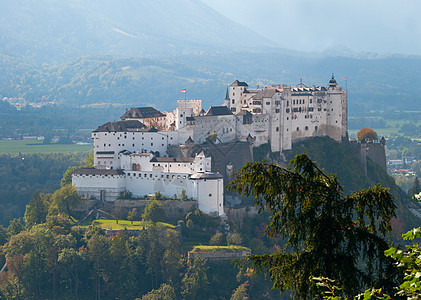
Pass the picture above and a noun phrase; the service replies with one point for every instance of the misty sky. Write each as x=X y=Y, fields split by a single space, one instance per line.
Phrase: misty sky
x=382 y=26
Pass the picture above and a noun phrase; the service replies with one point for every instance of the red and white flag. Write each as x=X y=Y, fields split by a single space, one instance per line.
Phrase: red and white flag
x=183 y=90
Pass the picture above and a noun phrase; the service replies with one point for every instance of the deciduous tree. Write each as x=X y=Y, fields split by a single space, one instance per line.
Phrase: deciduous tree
x=367 y=134
x=64 y=200
x=154 y=212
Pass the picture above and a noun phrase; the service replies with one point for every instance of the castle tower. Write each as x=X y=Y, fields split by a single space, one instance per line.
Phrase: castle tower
x=210 y=192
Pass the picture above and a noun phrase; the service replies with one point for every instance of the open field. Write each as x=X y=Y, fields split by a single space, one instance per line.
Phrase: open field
x=112 y=224
x=16 y=146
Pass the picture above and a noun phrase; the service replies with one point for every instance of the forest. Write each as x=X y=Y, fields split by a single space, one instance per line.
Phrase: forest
x=51 y=255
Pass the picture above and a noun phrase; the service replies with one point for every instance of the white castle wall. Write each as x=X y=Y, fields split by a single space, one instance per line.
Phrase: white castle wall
x=131 y=141
x=91 y=186
x=210 y=195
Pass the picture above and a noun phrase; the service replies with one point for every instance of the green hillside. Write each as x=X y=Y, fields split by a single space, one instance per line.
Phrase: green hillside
x=338 y=158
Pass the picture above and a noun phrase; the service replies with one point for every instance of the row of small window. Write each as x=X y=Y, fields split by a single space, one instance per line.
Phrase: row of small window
x=299 y=109
x=156 y=176
x=158 y=165
x=122 y=145
x=306 y=128
x=134 y=137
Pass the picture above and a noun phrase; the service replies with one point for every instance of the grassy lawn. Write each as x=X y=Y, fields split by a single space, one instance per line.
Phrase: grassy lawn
x=112 y=224
x=16 y=146
x=231 y=248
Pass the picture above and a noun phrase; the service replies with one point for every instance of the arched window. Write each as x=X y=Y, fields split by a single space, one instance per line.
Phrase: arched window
x=306 y=128
x=315 y=128
x=298 y=128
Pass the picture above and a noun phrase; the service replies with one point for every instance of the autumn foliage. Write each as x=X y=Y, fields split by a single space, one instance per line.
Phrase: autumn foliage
x=367 y=134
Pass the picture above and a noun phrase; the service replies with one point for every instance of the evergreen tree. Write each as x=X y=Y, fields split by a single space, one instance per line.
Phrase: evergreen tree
x=416 y=188
x=327 y=234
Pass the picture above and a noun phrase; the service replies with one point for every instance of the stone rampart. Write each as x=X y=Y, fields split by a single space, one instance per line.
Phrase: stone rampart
x=121 y=207
x=219 y=256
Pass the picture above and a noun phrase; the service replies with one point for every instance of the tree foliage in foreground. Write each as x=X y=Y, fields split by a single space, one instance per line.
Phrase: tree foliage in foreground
x=327 y=234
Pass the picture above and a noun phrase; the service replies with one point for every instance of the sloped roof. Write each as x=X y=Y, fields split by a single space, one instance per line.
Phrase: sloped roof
x=142 y=113
x=239 y=83
x=266 y=93
x=121 y=126
x=93 y=171
x=218 y=111
x=173 y=159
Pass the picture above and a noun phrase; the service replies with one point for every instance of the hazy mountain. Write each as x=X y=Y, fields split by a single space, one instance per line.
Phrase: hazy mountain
x=45 y=30
x=136 y=52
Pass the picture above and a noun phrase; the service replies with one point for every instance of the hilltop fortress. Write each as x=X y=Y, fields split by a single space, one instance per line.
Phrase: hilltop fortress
x=132 y=155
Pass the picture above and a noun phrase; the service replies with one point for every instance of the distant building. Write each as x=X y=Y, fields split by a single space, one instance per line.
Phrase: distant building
x=131 y=154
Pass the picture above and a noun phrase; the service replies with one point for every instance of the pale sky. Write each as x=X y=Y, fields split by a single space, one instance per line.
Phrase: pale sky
x=381 y=26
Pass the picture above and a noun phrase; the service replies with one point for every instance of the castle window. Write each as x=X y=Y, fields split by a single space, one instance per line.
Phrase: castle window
x=298 y=128
x=287 y=102
x=162 y=144
x=146 y=175
x=133 y=145
x=277 y=128
x=287 y=110
x=233 y=101
x=311 y=100
x=267 y=103
x=315 y=128
x=277 y=110
x=306 y=128
x=210 y=195
x=151 y=144
x=150 y=175
x=287 y=118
